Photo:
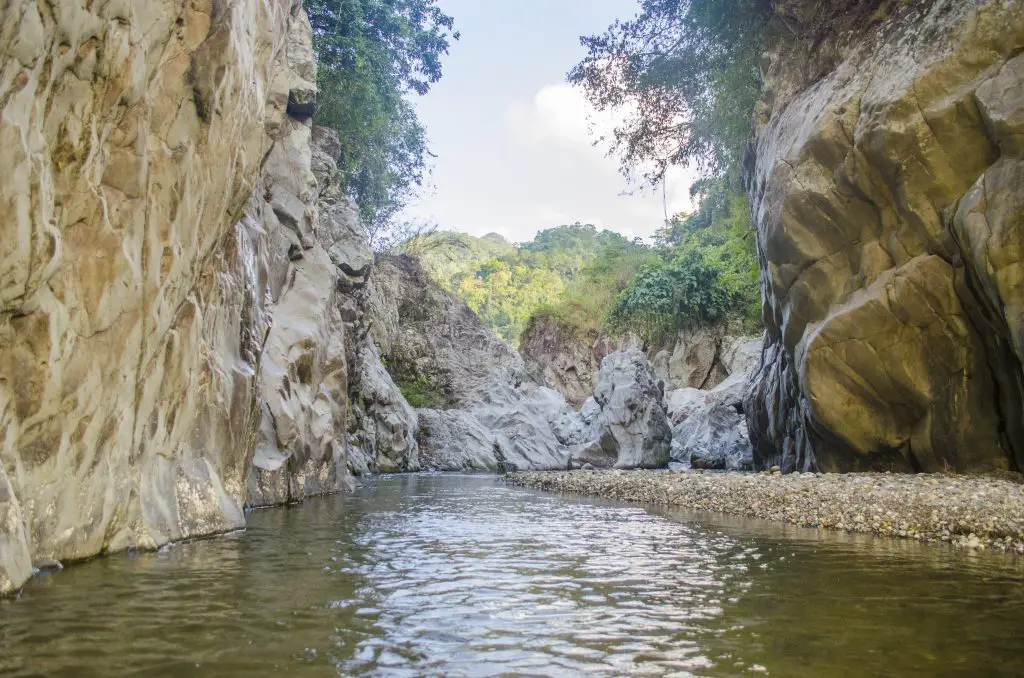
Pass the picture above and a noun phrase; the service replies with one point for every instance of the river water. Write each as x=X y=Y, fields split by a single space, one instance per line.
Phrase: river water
x=448 y=575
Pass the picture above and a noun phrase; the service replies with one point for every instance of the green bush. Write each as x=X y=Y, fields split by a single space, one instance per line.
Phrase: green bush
x=721 y=230
x=663 y=297
x=421 y=394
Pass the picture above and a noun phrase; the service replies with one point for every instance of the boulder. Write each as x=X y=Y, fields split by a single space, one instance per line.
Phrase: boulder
x=886 y=199
x=525 y=430
x=682 y=402
x=713 y=437
x=631 y=430
x=455 y=440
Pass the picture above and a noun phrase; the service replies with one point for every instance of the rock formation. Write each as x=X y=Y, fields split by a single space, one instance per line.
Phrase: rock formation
x=697 y=358
x=170 y=331
x=624 y=424
x=564 y=358
x=886 y=188
x=491 y=414
x=709 y=427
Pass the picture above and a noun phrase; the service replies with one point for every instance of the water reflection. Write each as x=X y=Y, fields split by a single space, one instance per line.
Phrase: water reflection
x=449 y=575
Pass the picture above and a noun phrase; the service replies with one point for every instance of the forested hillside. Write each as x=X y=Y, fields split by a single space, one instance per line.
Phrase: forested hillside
x=505 y=283
x=699 y=268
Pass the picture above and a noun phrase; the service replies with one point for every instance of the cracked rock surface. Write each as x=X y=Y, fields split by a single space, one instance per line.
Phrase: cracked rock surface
x=887 y=197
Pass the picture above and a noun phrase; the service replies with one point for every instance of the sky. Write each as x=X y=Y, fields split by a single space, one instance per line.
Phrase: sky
x=513 y=141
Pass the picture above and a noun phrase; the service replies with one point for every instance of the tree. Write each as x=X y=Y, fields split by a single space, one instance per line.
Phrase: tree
x=664 y=296
x=371 y=54
x=684 y=73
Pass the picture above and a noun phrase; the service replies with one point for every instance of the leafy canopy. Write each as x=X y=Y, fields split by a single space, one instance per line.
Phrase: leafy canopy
x=684 y=73
x=372 y=54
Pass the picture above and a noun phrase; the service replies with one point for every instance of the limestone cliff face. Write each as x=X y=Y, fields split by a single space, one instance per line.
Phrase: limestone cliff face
x=890 y=213
x=170 y=337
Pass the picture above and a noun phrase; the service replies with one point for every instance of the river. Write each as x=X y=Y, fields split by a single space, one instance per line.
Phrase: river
x=450 y=575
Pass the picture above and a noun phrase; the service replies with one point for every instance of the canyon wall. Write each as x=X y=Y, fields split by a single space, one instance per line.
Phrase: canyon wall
x=887 y=184
x=171 y=341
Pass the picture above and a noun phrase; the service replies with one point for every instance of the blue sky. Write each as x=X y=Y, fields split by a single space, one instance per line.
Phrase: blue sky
x=512 y=140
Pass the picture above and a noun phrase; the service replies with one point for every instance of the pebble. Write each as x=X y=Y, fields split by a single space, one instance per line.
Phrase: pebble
x=972 y=512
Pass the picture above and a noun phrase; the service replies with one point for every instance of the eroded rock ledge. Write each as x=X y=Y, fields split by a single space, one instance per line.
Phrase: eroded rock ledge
x=968 y=511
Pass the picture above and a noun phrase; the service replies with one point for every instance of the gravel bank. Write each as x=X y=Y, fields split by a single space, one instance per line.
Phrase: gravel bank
x=975 y=512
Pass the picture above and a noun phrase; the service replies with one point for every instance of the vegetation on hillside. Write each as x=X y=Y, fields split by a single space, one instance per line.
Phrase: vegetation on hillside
x=707 y=270
x=700 y=269
x=371 y=55
x=571 y=267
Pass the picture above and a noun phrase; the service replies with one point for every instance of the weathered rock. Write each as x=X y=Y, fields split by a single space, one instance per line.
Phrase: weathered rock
x=569 y=360
x=157 y=192
x=455 y=440
x=426 y=333
x=682 y=402
x=490 y=414
x=709 y=427
x=563 y=357
x=714 y=437
x=692 y=359
x=887 y=202
x=632 y=429
x=340 y=232
x=383 y=435
x=526 y=428
x=15 y=558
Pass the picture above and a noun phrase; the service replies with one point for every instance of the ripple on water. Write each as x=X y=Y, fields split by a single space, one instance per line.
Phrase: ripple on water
x=463 y=576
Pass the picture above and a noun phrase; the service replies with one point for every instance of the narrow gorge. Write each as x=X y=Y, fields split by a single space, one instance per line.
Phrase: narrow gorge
x=196 y=322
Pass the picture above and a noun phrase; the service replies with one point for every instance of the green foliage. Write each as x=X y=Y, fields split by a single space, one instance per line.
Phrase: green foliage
x=420 y=394
x=448 y=256
x=574 y=268
x=685 y=73
x=371 y=54
x=661 y=297
x=583 y=307
x=722 y=231
x=701 y=268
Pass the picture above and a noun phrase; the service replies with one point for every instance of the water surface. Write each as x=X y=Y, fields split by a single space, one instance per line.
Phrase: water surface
x=463 y=576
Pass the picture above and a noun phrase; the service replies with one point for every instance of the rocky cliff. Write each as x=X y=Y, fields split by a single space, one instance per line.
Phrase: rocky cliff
x=171 y=341
x=695 y=358
x=886 y=182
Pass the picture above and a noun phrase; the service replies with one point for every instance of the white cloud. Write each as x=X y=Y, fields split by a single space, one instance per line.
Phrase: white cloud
x=559 y=115
x=532 y=164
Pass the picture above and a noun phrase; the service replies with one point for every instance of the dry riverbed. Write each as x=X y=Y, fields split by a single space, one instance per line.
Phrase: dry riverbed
x=975 y=512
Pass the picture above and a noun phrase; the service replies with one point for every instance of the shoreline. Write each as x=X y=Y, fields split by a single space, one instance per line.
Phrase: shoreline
x=973 y=512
